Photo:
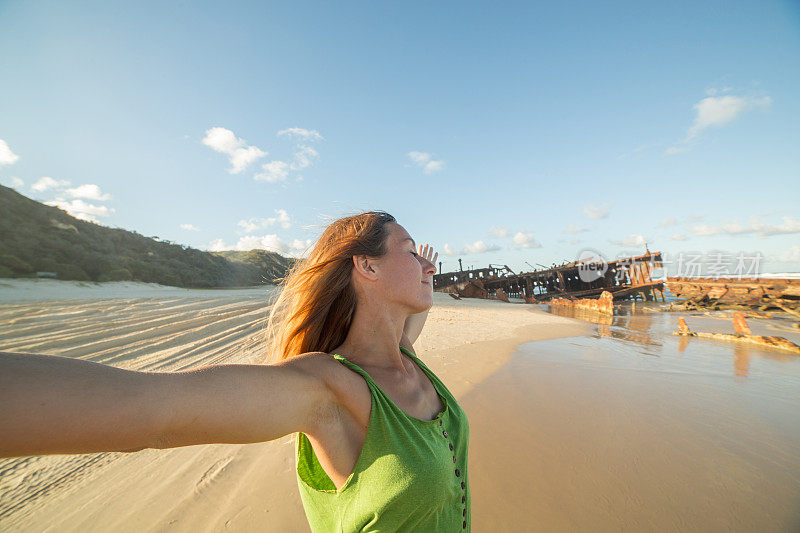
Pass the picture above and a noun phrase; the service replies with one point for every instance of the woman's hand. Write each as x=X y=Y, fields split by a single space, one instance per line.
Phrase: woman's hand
x=427 y=253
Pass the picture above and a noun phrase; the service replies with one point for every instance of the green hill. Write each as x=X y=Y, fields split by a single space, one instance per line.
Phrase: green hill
x=38 y=238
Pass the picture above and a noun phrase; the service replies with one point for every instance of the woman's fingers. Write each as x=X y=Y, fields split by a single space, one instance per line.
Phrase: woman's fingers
x=428 y=253
x=425 y=251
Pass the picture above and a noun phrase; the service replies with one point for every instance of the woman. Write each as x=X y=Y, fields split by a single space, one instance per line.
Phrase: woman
x=381 y=443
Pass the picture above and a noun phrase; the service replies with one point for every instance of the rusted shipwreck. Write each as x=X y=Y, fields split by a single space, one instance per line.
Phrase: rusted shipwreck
x=627 y=278
x=762 y=293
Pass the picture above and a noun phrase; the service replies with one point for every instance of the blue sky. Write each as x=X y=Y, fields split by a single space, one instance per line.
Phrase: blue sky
x=521 y=133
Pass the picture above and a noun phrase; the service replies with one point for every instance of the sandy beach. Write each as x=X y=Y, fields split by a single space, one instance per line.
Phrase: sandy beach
x=239 y=487
x=574 y=425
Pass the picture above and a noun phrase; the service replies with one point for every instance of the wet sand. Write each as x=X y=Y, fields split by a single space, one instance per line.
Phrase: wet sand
x=211 y=487
x=631 y=428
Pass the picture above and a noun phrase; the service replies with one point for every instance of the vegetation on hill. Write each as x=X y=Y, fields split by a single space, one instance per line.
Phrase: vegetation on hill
x=38 y=238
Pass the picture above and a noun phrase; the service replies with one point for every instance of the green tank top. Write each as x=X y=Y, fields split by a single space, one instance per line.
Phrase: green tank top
x=411 y=474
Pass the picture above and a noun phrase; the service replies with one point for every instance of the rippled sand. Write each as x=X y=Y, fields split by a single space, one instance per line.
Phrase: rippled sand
x=202 y=488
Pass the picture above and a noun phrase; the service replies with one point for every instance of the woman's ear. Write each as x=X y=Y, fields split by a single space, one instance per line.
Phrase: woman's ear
x=364 y=266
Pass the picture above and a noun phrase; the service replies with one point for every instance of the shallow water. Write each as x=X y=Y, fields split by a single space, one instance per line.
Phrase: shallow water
x=640 y=339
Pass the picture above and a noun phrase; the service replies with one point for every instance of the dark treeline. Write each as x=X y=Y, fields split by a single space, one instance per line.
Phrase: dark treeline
x=38 y=238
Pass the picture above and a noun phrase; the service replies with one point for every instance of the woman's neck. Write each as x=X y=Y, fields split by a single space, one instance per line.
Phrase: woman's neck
x=374 y=338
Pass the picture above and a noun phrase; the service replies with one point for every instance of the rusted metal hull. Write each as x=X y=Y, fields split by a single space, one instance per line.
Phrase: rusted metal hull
x=762 y=293
x=623 y=279
x=603 y=305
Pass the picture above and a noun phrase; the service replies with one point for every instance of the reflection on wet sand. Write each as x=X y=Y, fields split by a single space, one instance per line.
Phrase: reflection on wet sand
x=625 y=324
x=646 y=326
x=632 y=428
x=741 y=364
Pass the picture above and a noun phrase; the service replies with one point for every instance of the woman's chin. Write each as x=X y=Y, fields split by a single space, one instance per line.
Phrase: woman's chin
x=428 y=302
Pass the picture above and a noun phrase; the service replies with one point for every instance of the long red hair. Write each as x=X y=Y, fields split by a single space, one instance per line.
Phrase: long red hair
x=316 y=300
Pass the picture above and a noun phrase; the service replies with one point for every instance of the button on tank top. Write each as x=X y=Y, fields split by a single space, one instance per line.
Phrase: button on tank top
x=411 y=474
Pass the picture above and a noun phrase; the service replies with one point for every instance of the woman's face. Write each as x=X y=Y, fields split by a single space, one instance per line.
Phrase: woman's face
x=405 y=276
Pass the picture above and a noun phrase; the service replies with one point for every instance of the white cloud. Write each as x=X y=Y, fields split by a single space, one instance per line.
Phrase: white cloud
x=89 y=191
x=253 y=224
x=477 y=247
x=224 y=141
x=630 y=241
x=574 y=229
x=679 y=237
x=755 y=226
x=425 y=161
x=303 y=157
x=269 y=242
x=301 y=133
x=714 y=112
x=523 y=239
x=46 y=182
x=667 y=222
x=449 y=250
x=792 y=255
x=713 y=90
x=596 y=211
x=276 y=170
x=704 y=230
x=189 y=227
x=80 y=209
x=720 y=110
x=300 y=245
x=242 y=157
x=497 y=232
x=433 y=166
x=282 y=219
x=735 y=228
x=273 y=172
x=574 y=240
x=7 y=157
x=217 y=245
x=480 y=247
x=790 y=225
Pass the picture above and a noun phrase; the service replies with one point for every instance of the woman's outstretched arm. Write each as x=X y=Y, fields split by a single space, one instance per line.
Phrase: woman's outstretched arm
x=53 y=405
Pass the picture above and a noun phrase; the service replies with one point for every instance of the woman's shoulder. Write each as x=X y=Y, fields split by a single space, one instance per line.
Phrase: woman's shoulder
x=320 y=364
x=350 y=390
x=333 y=373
